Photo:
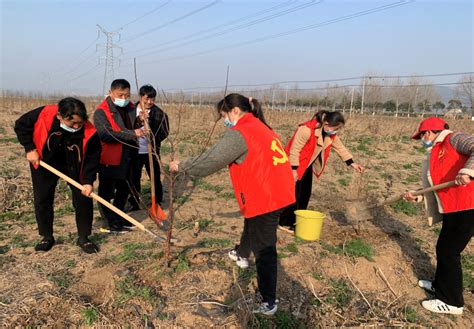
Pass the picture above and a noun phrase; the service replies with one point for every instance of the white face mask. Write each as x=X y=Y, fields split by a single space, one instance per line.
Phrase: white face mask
x=68 y=129
x=330 y=132
x=228 y=123
x=120 y=102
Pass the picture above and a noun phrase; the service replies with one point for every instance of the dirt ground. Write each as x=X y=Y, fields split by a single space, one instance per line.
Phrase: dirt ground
x=358 y=274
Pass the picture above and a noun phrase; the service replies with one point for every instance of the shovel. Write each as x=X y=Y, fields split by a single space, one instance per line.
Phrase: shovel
x=156 y=213
x=357 y=211
x=102 y=201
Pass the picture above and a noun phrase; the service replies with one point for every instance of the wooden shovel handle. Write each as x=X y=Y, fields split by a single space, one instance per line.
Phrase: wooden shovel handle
x=94 y=196
x=434 y=188
x=417 y=192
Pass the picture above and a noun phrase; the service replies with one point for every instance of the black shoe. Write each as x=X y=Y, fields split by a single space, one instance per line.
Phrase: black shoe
x=118 y=228
x=45 y=245
x=87 y=246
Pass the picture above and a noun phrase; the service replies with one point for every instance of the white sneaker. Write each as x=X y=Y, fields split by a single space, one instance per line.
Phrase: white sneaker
x=266 y=309
x=427 y=285
x=437 y=306
x=240 y=261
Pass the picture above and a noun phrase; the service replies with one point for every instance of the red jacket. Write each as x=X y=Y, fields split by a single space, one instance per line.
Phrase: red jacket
x=111 y=152
x=308 y=150
x=445 y=163
x=263 y=182
x=43 y=126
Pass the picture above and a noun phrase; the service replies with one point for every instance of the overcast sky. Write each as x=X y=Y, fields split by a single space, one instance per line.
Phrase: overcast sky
x=54 y=45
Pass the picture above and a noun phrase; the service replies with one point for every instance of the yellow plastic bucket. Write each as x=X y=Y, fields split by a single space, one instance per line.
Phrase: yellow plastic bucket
x=309 y=224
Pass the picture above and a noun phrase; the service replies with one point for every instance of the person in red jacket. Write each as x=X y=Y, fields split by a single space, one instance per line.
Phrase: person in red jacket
x=61 y=136
x=263 y=185
x=308 y=151
x=449 y=157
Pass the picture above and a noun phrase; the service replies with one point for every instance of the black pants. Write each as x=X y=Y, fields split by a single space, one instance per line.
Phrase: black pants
x=259 y=237
x=456 y=232
x=118 y=190
x=44 y=186
x=137 y=166
x=303 y=193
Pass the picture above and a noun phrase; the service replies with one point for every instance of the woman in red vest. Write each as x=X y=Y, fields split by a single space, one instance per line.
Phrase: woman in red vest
x=308 y=151
x=449 y=157
x=263 y=185
x=61 y=136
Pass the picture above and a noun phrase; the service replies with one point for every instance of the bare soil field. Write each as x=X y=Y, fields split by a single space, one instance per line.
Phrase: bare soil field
x=357 y=274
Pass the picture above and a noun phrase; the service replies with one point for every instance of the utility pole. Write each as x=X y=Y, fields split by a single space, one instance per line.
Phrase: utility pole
x=363 y=95
x=109 y=56
x=352 y=102
x=273 y=97
x=286 y=96
x=414 y=104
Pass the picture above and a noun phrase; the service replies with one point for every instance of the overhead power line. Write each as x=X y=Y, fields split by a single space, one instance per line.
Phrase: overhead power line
x=145 y=15
x=194 y=12
x=226 y=24
x=75 y=58
x=288 y=82
x=233 y=28
x=293 y=31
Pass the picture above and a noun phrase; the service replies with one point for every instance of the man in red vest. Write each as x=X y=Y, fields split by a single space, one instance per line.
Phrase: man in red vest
x=114 y=119
x=263 y=185
x=61 y=136
x=449 y=157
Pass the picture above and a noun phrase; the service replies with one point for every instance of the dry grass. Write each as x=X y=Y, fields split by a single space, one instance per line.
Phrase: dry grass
x=321 y=283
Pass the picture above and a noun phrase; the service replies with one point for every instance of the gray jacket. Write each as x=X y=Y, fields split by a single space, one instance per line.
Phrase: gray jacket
x=125 y=136
x=231 y=148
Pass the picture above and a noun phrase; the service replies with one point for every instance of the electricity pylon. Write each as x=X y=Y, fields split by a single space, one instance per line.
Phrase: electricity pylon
x=109 y=56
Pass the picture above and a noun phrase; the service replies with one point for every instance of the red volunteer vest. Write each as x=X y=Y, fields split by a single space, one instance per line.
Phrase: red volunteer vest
x=308 y=150
x=263 y=182
x=111 y=152
x=43 y=126
x=445 y=163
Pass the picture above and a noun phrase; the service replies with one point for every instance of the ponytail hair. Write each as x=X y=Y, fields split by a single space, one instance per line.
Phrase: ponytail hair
x=332 y=118
x=245 y=104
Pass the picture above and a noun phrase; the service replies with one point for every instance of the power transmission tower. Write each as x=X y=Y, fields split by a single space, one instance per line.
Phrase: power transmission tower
x=109 y=56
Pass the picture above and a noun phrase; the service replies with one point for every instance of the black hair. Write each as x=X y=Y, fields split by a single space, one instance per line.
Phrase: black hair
x=147 y=90
x=67 y=107
x=446 y=126
x=333 y=118
x=120 y=84
x=245 y=104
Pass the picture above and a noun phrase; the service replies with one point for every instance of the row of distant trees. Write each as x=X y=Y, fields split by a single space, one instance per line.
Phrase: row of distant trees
x=371 y=95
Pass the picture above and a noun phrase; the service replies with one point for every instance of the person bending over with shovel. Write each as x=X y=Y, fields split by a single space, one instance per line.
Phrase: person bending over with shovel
x=308 y=151
x=263 y=185
x=449 y=157
x=61 y=136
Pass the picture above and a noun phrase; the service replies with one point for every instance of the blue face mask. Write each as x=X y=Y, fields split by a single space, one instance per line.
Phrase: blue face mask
x=69 y=129
x=427 y=144
x=228 y=123
x=120 y=102
x=330 y=132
